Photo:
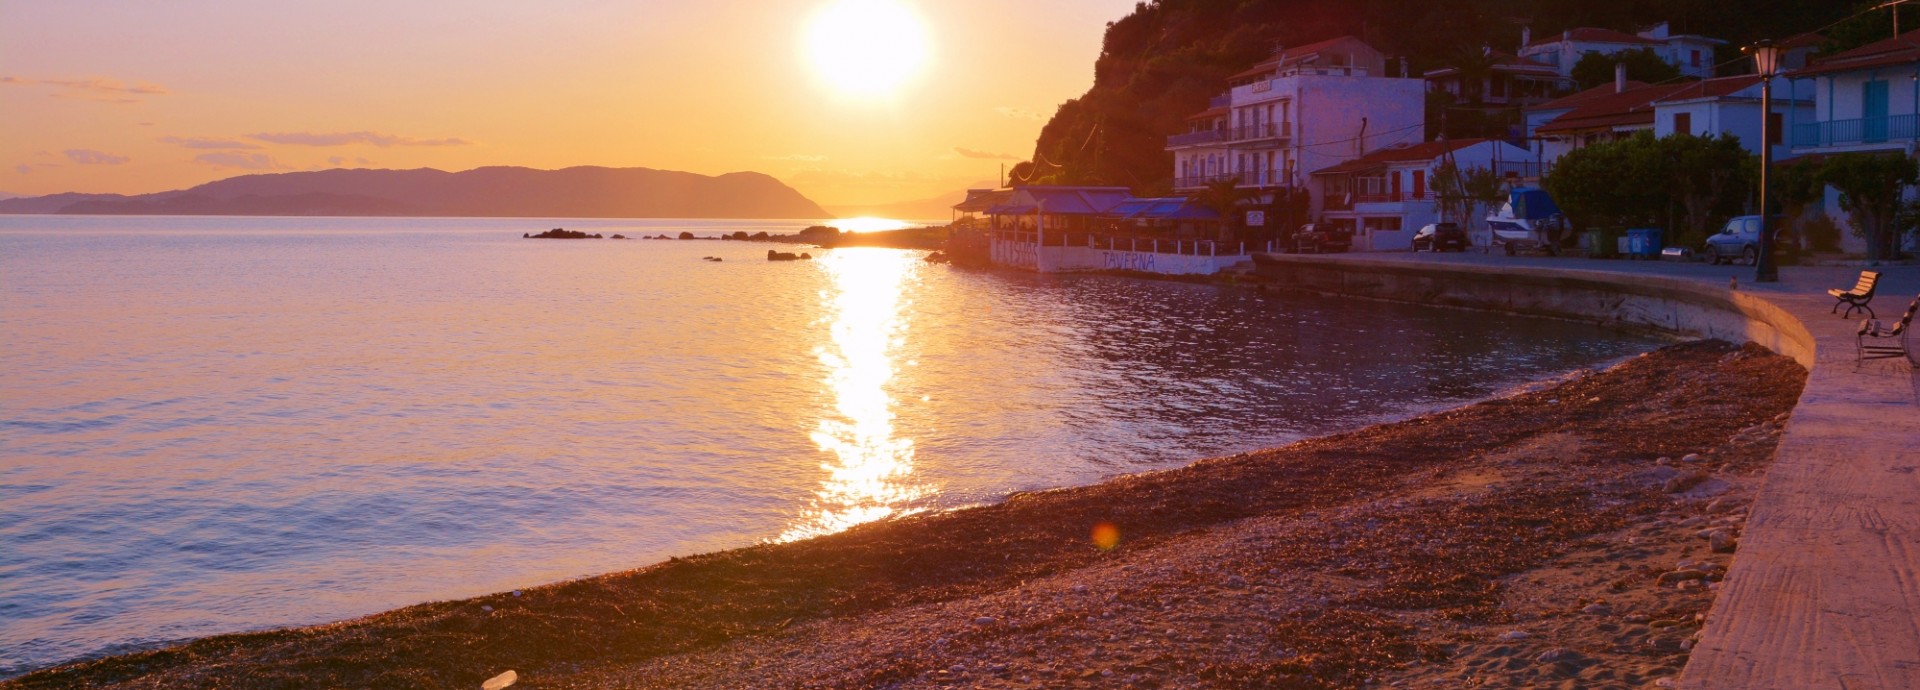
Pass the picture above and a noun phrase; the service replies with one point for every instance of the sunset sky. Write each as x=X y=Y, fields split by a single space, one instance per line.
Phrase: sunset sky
x=136 y=97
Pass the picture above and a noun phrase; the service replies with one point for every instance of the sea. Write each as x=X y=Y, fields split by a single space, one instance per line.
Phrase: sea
x=221 y=424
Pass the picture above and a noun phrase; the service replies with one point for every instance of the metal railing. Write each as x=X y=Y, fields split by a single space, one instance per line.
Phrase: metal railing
x=1202 y=138
x=1265 y=130
x=1870 y=130
x=1198 y=181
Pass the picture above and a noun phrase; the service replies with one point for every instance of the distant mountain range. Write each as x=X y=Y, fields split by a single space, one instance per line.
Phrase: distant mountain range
x=582 y=192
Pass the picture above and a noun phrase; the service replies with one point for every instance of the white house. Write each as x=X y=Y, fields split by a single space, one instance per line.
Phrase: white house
x=1730 y=106
x=1306 y=108
x=1865 y=100
x=1691 y=54
x=1387 y=194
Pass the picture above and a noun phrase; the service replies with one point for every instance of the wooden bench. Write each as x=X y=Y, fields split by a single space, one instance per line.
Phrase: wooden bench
x=1867 y=344
x=1857 y=298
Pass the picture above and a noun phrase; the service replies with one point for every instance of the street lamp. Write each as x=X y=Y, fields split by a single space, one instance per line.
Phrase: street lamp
x=1766 y=61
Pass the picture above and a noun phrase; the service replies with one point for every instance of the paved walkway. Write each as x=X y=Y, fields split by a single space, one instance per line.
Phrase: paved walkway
x=1824 y=591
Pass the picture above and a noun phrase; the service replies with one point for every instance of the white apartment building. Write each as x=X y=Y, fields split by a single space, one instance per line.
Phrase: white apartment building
x=1692 y=55
x=1305 y=109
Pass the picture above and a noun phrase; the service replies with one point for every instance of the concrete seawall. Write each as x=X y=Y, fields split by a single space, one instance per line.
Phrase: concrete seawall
x=1659 y=303
x=1824 y=592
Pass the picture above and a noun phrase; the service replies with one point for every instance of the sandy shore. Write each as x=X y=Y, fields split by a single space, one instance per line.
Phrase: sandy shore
x=1533 y=541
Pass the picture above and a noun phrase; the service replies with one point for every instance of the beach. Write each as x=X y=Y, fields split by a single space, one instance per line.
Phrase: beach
x=1559 y=537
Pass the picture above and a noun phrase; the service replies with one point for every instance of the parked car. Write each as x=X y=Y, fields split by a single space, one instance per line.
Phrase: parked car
x=1321 y=238
x=1440 y=237
x=1739 y=241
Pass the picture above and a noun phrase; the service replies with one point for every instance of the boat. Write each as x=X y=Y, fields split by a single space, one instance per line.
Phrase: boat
x=1525 y=220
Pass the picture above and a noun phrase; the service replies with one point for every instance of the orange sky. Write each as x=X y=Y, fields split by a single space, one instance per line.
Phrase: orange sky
x=135 y=97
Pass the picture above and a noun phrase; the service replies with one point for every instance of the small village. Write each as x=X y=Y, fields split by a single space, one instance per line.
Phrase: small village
x=1335 y=146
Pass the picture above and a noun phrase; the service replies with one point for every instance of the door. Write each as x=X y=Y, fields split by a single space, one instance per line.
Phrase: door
x=1873 y=111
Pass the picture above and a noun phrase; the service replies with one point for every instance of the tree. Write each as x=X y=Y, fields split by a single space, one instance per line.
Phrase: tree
x=1794 y=186
x=1595 y=69
x=1871 y=185
x=1466 y=193
x=1620 y=183
x=1864 y=27
x=1710 y=179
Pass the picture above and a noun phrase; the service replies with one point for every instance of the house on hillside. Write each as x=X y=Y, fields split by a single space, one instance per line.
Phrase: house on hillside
x=1609 y=112
x=1387 y=194
x=1691 y=54
x=1303 y=109
x=1503 y=79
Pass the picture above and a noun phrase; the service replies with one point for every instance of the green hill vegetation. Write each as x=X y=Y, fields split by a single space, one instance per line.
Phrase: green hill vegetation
x=1162 y=62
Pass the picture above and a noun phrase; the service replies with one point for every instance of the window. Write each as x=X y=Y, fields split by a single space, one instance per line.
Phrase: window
x=1776 y=124
x=1683 y=123
x=1419 y=184
x=1696 y=58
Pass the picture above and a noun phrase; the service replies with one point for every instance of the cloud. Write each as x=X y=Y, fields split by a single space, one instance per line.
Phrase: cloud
x=92 y=157
x=984 y=155
x=350 y=138
x=208 y=143
x=245 y=161
x=1019 y=113
x=30 y=167
x=100 y=89
x=797 y=157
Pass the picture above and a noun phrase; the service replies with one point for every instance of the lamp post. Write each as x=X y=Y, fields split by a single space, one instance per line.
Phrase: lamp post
x=1766 y=61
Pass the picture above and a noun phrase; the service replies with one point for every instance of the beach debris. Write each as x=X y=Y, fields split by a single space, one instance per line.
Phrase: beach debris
x=486 y=609
x=500 y=681
x=1597 y=609
x=1691 y=457
x=984 y=620
x=1553 y=655
x=516 y=592
x=1512 y=635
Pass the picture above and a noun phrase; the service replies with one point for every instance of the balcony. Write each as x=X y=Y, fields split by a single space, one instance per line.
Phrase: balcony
x=1247 y=178
x=1871 y=130
x=1260 y=132
x=1201 y=138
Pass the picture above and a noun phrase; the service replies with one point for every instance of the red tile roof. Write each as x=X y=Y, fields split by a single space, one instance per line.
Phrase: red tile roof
x=1711 y=88
x=1592 y=35
x=1574 y=100
x=1899 y=50
x=1209 y=113
x=1424 y=151
x=1500 y=62
x=1609 y=110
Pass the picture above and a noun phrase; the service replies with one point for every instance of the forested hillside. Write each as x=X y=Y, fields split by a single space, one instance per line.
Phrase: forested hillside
x=1162 y=62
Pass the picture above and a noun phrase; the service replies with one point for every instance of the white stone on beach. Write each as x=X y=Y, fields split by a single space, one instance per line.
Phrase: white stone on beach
x=500 y=681
x=1514 y=635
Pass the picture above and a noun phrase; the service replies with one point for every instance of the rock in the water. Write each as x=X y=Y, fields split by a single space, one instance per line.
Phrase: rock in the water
x=686 y=235
x=1722 y=541
x=500 y=681
x=781 y=256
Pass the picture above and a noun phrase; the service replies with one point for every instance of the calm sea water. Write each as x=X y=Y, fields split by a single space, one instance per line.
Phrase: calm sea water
x=219 y=424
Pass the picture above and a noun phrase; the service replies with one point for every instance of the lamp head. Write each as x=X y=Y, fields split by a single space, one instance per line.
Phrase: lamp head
x=1766 y=58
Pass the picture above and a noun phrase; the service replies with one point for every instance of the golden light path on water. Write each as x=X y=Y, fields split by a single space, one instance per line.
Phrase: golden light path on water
x=869 y=473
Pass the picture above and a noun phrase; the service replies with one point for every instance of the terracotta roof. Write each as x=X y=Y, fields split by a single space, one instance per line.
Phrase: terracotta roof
x=1899 y=50
x=1607 y=111
x=1574 y=100
x=1380 y=158
x=1210 y=112
x=1290 y=54
x=1592 y=35
x=1711 y=88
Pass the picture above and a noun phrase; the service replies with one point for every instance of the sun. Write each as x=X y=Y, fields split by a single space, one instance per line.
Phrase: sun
x=866 y=47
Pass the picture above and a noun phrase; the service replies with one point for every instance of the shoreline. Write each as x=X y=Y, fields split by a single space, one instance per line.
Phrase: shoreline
x=639 y=628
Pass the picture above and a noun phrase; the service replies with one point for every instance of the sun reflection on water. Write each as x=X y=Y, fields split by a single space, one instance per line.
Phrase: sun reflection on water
x=868 y=475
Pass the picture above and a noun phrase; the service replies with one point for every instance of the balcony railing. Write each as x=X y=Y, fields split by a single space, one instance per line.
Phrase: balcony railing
x=1245 y=178
x=1262 y=131
x=1872 y=130
x=1201 y=138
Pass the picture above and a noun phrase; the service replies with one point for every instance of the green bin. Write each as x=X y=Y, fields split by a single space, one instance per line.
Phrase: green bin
x=1600 y=243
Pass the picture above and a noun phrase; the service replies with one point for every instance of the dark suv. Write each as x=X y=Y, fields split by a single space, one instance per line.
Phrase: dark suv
x=1440 y=237
x=1321 y=238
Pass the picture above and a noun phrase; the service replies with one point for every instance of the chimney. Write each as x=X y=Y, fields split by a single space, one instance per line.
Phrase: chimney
x=1403 y=67
x=1619 y=77
x=1526 y=37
